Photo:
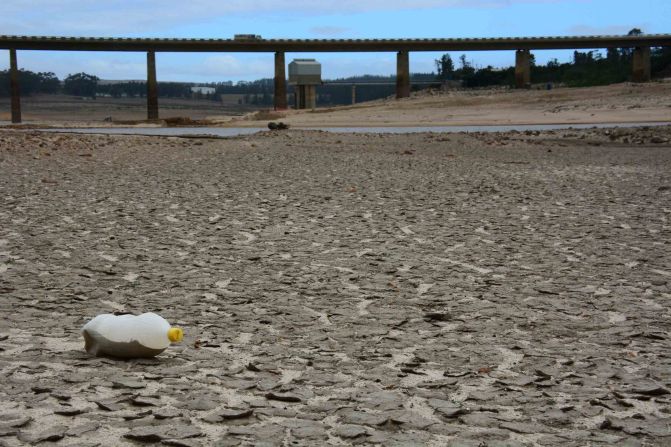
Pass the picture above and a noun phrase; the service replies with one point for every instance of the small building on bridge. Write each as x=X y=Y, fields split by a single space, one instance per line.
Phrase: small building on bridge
x=305 y=75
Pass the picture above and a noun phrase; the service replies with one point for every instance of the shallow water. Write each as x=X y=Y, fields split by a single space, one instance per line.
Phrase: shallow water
x=163 y=131
x=235 y=131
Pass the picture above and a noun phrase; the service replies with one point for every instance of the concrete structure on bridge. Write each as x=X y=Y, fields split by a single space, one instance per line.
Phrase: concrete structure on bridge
x=305 y=75
x=402 y=47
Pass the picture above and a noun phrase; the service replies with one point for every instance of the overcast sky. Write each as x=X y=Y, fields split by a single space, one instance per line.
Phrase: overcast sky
x=306 y=19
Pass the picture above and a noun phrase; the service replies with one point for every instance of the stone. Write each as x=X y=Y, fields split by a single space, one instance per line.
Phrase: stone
x=182 y=442
x=349 y=431
x=227 y=441
x=651 y=390
x=446 y=409
x=14 y=420
x=109 y=405
x=146 y=401
x=185 y=431
x=361 y=418
x=52 y=434
x=8 y=431
x=61 y=395
x=70 y=411
x=132 y=415
x=229 y=414
x=201 y=404
x=79 y=430
x=149 y=434
x=309 y=432
x=166 y=413
x=128 y=383
x=524 y=428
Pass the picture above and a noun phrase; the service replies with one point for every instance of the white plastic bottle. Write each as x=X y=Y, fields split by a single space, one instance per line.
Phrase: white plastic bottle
x=129 y=336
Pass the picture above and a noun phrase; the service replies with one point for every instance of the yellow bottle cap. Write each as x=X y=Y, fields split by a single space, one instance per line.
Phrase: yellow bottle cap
x=175 y=334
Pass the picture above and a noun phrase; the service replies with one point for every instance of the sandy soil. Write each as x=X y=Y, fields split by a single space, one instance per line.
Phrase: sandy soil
x=425 y=289
x=622 y=103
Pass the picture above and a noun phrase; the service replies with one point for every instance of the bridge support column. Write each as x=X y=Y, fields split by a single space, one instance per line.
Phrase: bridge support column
x=280 y=100
x=305 y=96
x=402 y=74
x=152 y=87
x=641 y=65
x=353 y=94
x=14 y=87
x=522 y=69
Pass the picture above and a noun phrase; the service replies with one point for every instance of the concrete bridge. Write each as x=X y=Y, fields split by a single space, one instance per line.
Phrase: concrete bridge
x=402 y=47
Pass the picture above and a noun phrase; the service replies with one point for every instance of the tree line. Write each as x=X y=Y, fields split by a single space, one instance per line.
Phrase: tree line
x=87 y=85
x=586 y=69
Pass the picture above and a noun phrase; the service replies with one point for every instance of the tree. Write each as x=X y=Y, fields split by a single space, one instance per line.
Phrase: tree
x=464 y=62
x=31 y=83
x=81 y=84
x=467 y=70
x=48 y=83
x=613 y=55
x=553 y=63
x=635 y=32
x=445 y=67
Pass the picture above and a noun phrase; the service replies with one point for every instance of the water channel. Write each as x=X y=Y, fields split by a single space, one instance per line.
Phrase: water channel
x=237 y=131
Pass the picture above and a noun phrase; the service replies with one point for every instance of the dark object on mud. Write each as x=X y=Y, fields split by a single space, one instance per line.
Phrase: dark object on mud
x=277 y=126
x=283 y=397
x=176 y=121
x=651 y=390
x=436 y=316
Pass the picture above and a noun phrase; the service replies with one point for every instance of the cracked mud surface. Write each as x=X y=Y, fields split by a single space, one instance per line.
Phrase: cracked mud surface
x=422 y=289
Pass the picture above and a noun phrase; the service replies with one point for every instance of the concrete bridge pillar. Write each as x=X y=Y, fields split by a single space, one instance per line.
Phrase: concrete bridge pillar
x=402 y=74
x=353 y=94
x=14 y=87
x=152 y=87
x=305 y=96
x=641 y=65
x=522 y=69
x=280 y=100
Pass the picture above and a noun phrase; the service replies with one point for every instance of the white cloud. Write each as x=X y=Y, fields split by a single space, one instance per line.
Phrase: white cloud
x=139 y=17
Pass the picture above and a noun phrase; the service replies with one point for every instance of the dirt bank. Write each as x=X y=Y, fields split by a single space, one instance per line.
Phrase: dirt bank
x=620 y=103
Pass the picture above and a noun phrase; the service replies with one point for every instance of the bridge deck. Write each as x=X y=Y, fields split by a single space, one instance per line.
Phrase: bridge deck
x=328 y=45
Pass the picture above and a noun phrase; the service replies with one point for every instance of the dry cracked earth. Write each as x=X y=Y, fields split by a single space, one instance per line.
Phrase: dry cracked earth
x=397 y=290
